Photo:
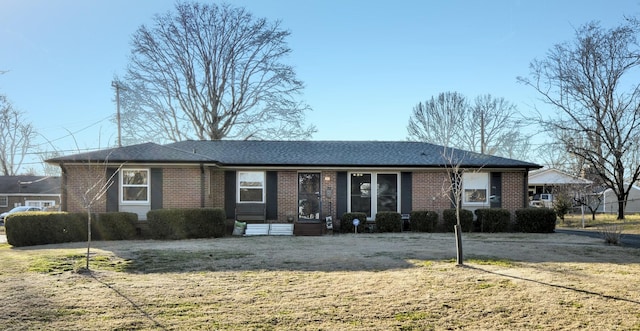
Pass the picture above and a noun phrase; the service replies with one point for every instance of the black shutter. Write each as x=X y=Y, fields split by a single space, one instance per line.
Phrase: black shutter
x=495 y=195
x=341 y=193
x=112 y=190
x=156 y=188
x=406 y=191
x=272 y=195
x=230 y=194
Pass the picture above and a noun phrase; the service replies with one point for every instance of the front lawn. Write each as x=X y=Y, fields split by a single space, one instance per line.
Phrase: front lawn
x=395 y=281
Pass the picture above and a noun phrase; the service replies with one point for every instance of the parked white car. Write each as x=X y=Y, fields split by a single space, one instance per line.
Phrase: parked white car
x=20 y=209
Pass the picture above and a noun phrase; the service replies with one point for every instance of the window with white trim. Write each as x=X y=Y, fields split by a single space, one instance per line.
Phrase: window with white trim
x=371 y=193
x=134 y=185
x=251 y=186
x=4 y=201
x=475 y=187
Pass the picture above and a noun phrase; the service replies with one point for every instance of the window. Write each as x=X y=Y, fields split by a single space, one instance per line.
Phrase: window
x=475 y=187
x=250 y=186
x=371 y=193
x=4 y=201
x=43 y=204
x=135 y=185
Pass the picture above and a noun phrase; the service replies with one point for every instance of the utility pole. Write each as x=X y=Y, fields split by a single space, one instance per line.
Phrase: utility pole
x=117 y=86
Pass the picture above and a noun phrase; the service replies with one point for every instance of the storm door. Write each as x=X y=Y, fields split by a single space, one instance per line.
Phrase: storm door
x=308 y=196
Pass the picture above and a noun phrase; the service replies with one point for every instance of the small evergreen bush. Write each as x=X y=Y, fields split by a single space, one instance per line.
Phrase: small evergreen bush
x=388 y=221
x=492 y=220
x=423 y=220
x=536 y=220
x=450 y=220
x=346 y=222
x=187 y=223
x=41 y=228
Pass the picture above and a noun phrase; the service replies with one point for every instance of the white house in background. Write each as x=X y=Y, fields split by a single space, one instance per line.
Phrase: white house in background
x=610 y=201
x=543 y=182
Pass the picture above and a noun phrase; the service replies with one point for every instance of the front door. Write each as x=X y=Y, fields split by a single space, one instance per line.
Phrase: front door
x=309 y=196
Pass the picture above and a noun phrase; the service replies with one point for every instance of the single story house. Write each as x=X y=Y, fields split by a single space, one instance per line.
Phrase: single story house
x=544 y=183
x=294 y=181
x=36 y=191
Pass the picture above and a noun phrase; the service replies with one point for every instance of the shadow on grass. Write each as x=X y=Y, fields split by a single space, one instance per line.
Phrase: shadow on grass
x=564 y=287
x=122 y=295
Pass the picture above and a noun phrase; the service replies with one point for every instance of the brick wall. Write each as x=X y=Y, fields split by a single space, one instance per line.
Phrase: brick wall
x=287 y=195
x=181 y=187
x=216 y=189
x=513 y=192
x=83 y=178
x=428 y=191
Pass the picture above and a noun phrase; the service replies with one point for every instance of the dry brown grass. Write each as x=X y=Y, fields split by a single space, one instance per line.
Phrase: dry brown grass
x=404 y=281
x=630 y=225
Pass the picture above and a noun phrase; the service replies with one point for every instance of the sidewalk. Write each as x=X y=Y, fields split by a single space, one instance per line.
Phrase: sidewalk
x=3 y=239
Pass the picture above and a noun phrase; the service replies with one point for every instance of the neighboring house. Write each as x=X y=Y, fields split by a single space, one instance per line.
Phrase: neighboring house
x=610 y=201
x=301 y=181
x=544 y=183
x=37 y=191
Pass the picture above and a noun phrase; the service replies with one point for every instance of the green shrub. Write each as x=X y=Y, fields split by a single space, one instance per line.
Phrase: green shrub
x=450 y=220
x=187 y=223
x=423 y=221
x=114 y=226
x=536 y=220
x=492 y=220
x=346 y=222
x=388 y=221
x=41 y=228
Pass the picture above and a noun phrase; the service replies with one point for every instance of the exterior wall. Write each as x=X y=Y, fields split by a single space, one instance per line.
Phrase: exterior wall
x=81 y=178
x=216 y=189
x=287 y=195
x=428 y=191
x=329 y=196
x=181 y=188
x=513 y=191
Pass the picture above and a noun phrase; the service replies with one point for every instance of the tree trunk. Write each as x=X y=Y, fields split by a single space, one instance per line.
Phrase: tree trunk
x=459 y=256
x=88 y=235
x=620 y=209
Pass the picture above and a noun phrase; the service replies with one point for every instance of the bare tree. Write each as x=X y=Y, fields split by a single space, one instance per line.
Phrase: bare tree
x=15 y=137
x=452 y=189
x=210 y=72
x=597 y=120
x=489 y=126
x=437 y=120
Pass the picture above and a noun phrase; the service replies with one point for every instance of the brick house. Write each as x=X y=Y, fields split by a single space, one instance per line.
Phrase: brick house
x=36 y=191
x=296 y=181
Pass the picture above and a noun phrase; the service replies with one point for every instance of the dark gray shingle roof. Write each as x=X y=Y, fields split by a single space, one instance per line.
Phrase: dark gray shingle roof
x=298 y=153
x=30 y=184
x=340 y=153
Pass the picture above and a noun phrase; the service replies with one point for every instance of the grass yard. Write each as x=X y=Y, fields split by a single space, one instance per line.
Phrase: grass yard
x=403 y=281
x=631 y=223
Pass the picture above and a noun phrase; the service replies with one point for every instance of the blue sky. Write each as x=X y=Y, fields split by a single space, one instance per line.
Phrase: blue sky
x=365 y=64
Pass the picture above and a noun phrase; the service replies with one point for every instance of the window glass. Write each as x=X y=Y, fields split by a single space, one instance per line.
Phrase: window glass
x=475 y=187
x=251 y=186
x=387 y=192
x=4 y=201
x=135 y=185
x=361 y=193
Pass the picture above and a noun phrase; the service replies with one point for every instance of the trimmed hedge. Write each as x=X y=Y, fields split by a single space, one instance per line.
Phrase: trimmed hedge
x=536 y=220
x=346 y=222
x=388 y=221
x=423 y=220
x=41 y=228
x=450 y=220
x=187 y=223
x=492 y=220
